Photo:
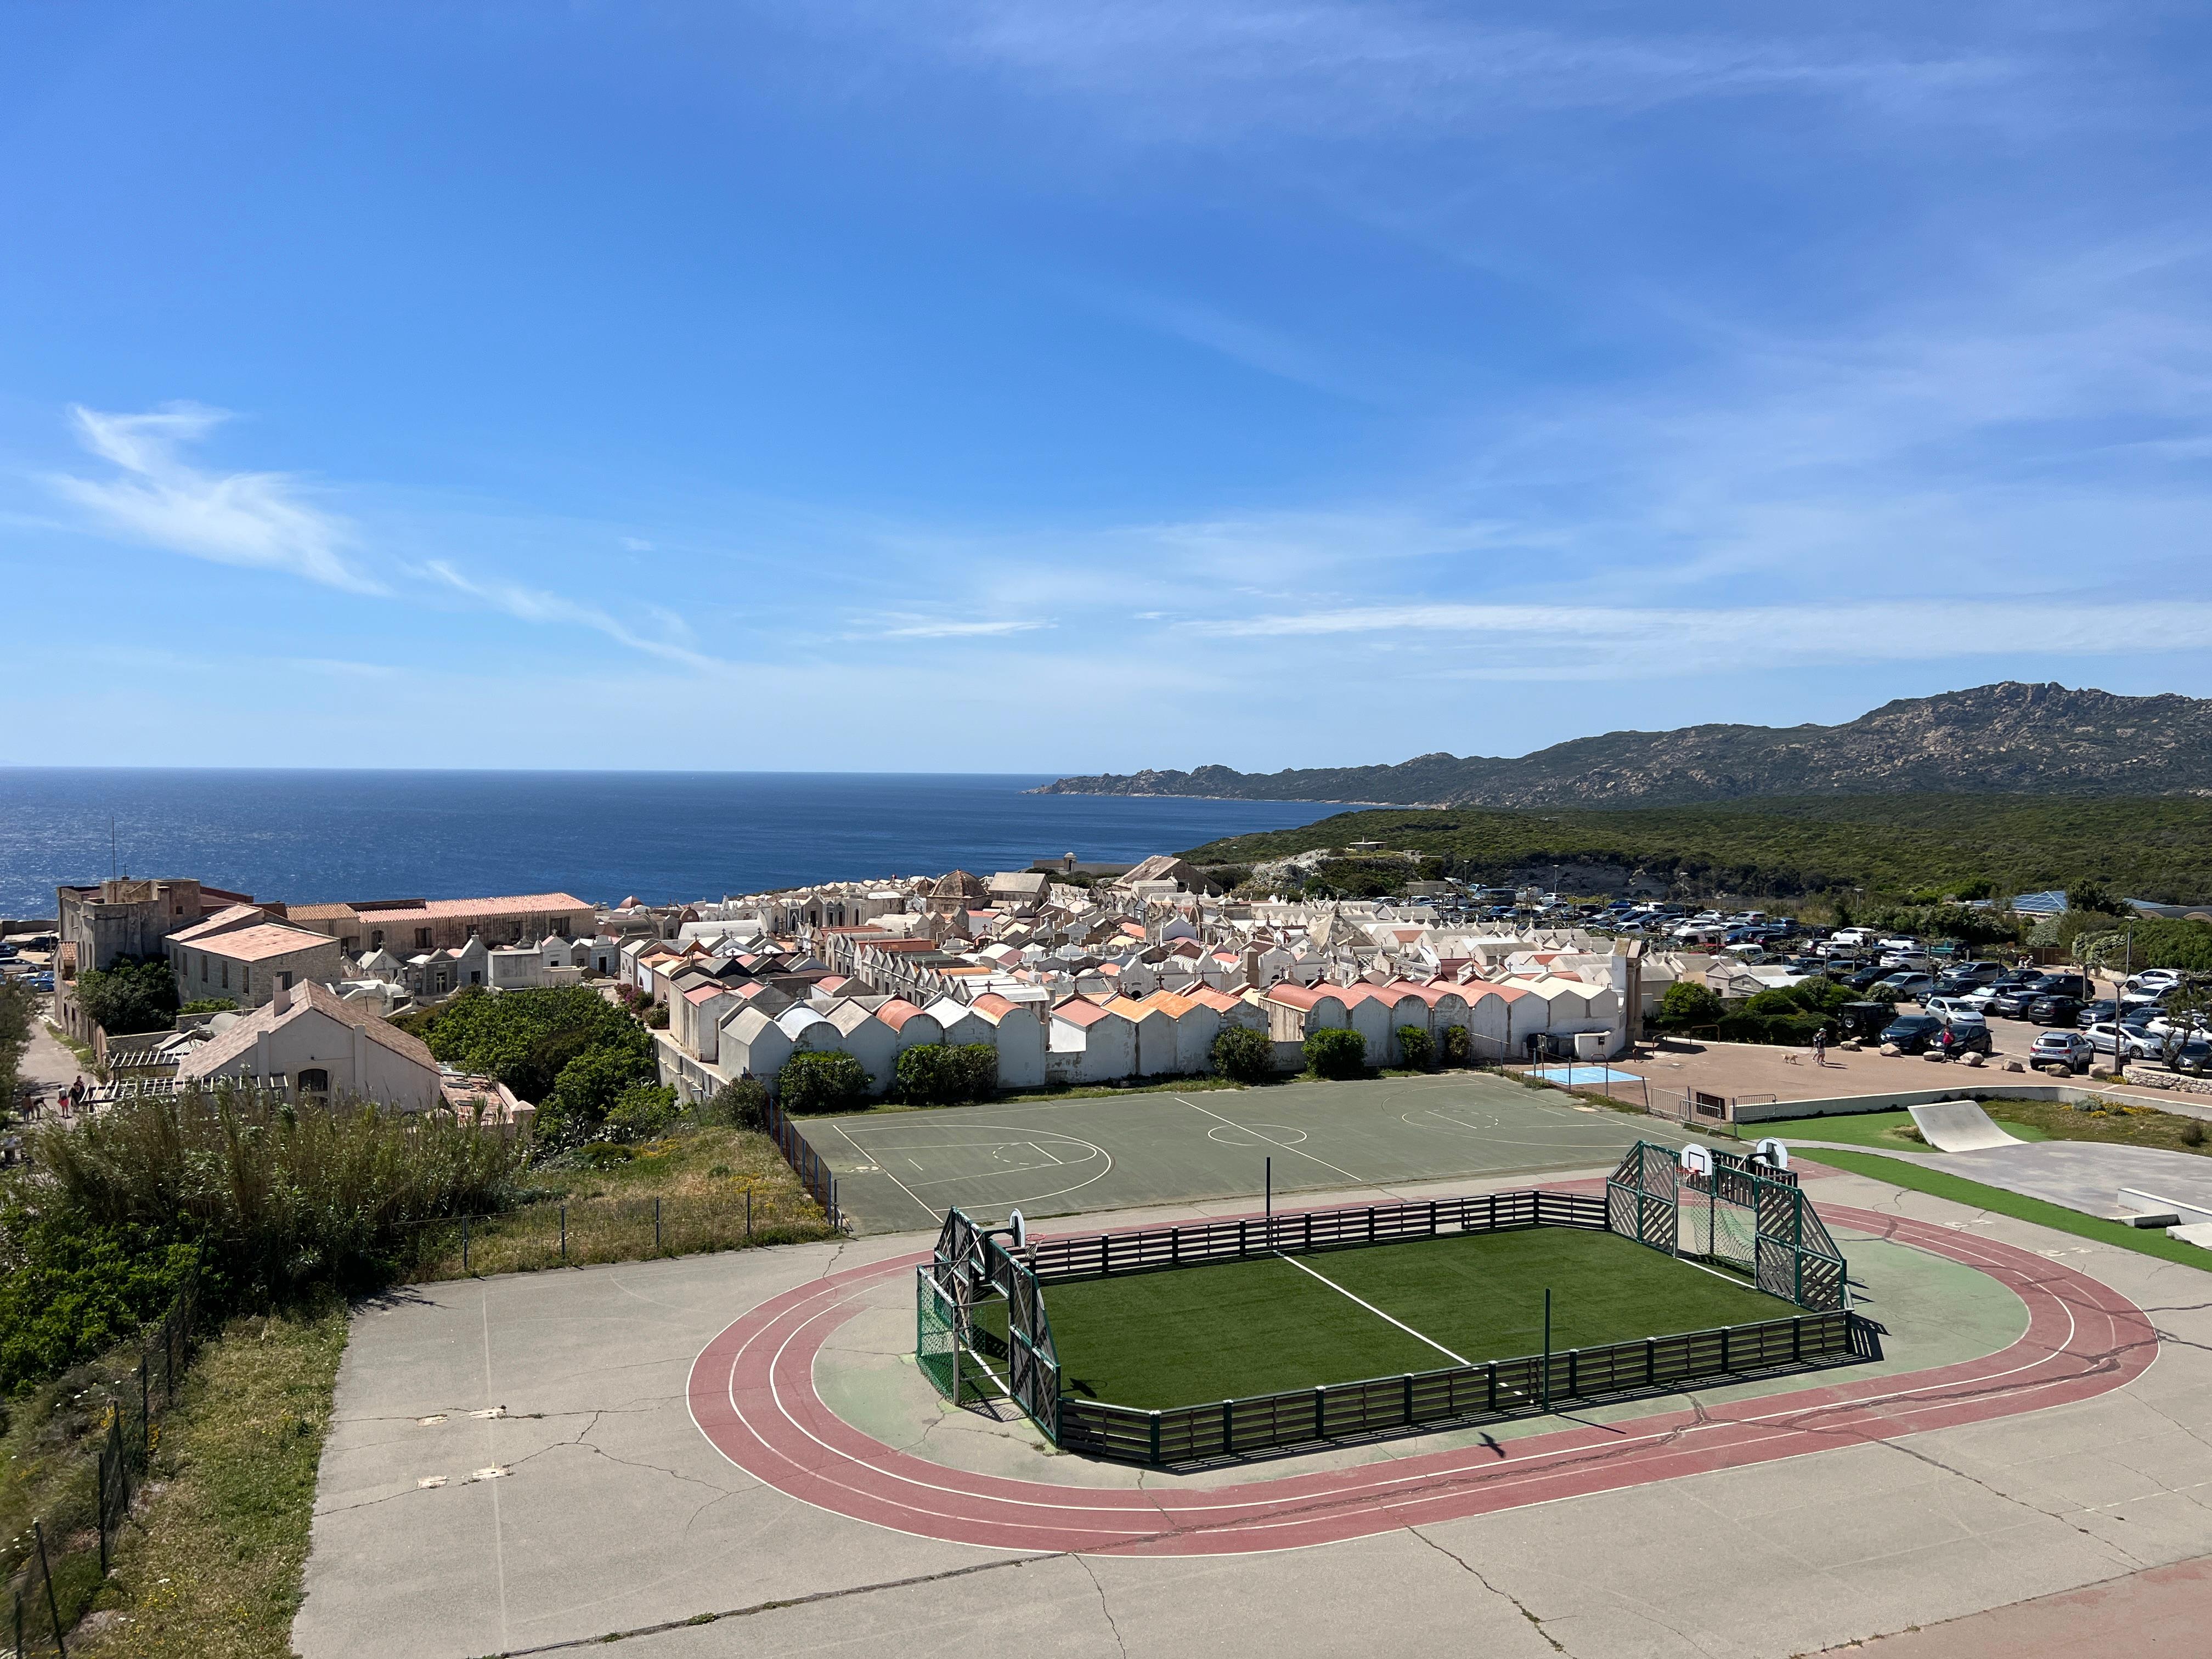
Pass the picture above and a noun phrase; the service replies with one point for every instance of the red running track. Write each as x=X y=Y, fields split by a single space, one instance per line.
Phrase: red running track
x=752 y=1395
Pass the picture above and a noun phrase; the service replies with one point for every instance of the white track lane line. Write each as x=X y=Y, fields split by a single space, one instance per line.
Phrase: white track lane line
x=1454 y=1358
x=1279 y=1145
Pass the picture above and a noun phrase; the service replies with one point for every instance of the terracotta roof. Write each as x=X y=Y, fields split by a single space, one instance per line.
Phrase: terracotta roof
x=993 y=1004
x=426 y=909
x=227 y=919
x=896 y=1013
x=699 y=993
x=1292 y=995
x=271 y=939
x=1079 y=1011
x=218 y=1052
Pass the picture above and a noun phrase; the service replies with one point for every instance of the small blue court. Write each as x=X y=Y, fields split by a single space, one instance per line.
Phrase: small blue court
x=1575 y=1076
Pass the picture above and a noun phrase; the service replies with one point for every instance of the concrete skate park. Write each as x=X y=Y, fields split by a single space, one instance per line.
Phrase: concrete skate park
x=738 y=1454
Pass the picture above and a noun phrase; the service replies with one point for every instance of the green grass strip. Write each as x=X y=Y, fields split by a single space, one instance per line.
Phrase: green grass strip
x=2057 y=1216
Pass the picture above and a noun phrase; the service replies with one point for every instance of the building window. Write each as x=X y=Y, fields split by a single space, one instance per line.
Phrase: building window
x=202 y=967
x=226 y=977
x=474 y=978
x=314 y=1081
x=244 y=982
x=423 y=939
x=376 y=940
x=285 y=982
x=350 y=947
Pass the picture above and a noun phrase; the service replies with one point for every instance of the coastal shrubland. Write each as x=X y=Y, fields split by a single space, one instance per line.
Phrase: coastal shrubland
x=18 y=1008
x=1889 y=846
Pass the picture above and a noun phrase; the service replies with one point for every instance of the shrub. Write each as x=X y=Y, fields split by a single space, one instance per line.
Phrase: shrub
x=71 y=1289
x=644 y=1111
x=1686 y=1005
x=739 y=1105
x=1336 y=1052
x=832 y=1082
x=282 y=1198
x=942 y=1074
x=1418 y=1046
x=131 y=994
x=1244 y=1055
x=210 y=1006
x=656 y=1018
x=1459 y=1046
x=586 y=1091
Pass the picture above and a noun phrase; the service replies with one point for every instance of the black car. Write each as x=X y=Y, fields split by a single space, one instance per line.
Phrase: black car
x=1965 y=1037
x=1912 y=1032
x=2054 y=1010
x=2094 y=1014
x=1867 y=977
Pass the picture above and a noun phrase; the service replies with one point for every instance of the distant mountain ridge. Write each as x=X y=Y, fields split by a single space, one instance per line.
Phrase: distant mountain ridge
x=2008 y=739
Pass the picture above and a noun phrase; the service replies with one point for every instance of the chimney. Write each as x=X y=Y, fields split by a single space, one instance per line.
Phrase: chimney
x=280 y=999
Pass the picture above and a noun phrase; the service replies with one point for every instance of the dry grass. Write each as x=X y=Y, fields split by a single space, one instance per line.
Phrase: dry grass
x=706 y=1182
x=2119 y=1122
x=211 y=1568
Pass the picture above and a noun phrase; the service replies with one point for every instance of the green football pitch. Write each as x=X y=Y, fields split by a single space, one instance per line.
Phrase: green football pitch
x=1264 y=1324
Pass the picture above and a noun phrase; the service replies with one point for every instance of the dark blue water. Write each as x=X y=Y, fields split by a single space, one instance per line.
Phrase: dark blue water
x=304 y=836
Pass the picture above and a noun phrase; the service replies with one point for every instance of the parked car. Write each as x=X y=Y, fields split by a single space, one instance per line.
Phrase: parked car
x=1911 y=1033
x=2053 y=1011
x=1908 y=984
x=1945 y=1007
x=1866 y=978
x=2095 y=1013
x=1864 y=1019
x=2154 y=979
x=2107 y=1038
x=1919 y=960
x=2195 y=1056
x=1963 y=1034
x=2068 y=1048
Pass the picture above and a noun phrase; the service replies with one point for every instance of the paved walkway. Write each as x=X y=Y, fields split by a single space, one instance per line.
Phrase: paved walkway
x=515 y=1467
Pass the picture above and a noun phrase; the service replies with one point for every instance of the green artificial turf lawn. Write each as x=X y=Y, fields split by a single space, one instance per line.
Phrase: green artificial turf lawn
x=1996 y=1200
x=1190 y=1335
x=1886 y=1129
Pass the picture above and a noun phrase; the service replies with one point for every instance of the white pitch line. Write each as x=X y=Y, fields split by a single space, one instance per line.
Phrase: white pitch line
x=1456 y=1359
x=888 y=1176
x=1279 y=1145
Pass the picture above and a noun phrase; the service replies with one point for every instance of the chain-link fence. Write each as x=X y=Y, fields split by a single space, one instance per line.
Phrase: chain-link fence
x=56 y=1566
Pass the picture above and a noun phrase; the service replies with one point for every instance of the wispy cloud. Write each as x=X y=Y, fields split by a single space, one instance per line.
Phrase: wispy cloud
x=1929 y=628
x=534 y=604
x=929 y=628
x=259 y=520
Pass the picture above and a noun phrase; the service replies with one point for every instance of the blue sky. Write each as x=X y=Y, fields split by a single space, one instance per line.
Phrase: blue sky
x=1060 y=387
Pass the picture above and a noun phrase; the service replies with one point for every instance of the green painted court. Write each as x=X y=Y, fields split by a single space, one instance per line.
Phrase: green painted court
x=899 y=1171
x=1188 y=1335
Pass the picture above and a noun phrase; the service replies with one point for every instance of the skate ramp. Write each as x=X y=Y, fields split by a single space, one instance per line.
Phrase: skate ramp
x=1959 y=1126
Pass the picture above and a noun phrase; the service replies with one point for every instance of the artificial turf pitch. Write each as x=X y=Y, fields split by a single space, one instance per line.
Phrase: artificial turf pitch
x=1267 y=1324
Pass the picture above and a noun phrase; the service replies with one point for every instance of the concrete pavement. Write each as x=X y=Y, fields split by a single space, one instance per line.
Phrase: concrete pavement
x=609 y=1512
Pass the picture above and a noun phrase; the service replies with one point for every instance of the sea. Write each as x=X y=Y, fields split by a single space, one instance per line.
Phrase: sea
x=308 y=836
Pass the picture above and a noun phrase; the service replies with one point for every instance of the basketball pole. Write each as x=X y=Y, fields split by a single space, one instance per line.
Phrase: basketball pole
x=1547 y=1347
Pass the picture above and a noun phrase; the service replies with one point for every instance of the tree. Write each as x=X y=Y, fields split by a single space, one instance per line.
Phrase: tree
x=2092 y=895
x=1459 y=1046
x=830 y=1082
x=1687 y=1006
x=1336 y=1052
x=525 y=1039
x=1242 y=1055
x=1417 y=1046
x=133 y=994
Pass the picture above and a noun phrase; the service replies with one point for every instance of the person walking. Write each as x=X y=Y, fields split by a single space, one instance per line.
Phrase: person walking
x=1820 y=1047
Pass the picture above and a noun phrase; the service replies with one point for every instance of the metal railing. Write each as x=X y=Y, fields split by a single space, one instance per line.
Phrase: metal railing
x=1493 y=1391
x=1296 y=1232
